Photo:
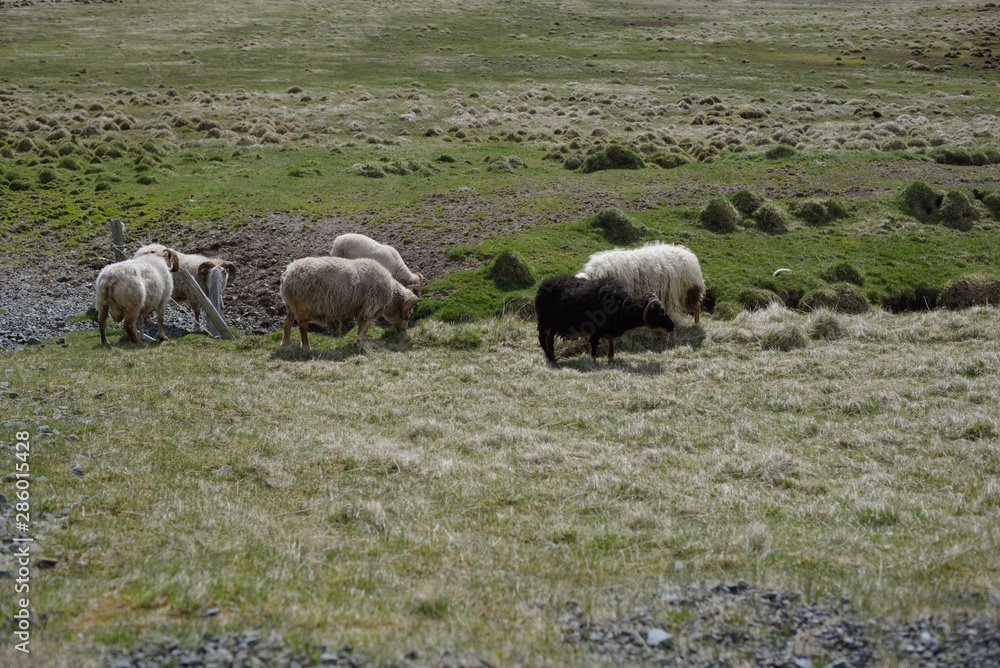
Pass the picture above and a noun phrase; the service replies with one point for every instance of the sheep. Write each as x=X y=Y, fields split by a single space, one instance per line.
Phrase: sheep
x=354 y=246
x=199 y=266
x=132 y=289
x=670 y=271
x=328 y=289
x=574 y=307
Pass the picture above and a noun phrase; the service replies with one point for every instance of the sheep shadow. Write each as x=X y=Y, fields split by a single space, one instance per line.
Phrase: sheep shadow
x=391 y=341
x=586 y=364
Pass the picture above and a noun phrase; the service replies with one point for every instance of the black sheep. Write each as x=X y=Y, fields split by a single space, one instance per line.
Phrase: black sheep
x=594 y=309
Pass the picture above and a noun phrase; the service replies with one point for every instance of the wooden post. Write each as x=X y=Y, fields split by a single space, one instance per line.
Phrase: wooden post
x=194 y=290
x=216 y=284
x=118 y=239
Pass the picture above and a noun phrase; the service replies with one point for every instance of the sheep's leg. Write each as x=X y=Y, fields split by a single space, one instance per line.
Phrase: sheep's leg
x=289 y=321
x=160 y=334
x=548 y=340
x=611 y=348
x=594 y=340
x=197 y=317
x=697 y=313
x=129 y=324
x=543 y=341
x=304 y=333
x=102 y=322
x=363 y=324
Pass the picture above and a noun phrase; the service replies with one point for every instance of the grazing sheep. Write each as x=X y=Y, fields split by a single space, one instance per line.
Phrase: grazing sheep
x=574 y=307
x=132 y=289
x=670 y=271
x=328 y=289
x=354 y=246
x=199 y=266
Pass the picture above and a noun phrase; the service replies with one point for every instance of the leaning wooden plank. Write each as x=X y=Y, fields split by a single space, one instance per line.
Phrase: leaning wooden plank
x=194 y=290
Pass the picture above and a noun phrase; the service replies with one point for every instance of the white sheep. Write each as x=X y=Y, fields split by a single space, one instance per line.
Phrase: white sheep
x=354 y=246
x=671 y=272
x=132 y=289
x=332 y=289
x=199 y=266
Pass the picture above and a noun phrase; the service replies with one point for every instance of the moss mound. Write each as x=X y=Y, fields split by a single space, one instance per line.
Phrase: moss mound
x=719 y=215
x=612 y=157
x=992 y=204
x=617 y=226
x=921 y=201
x=842 y=298
x=971 y=290
x=820 y=212
x=669 y=160
x=510 y=270
x=779 y=152
x=770 y=218
x=957 y=211
x=843 y=272
x=746 y=201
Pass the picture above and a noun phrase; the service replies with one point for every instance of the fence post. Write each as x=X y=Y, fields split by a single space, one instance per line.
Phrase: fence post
x=118 y=239
x=216 y=284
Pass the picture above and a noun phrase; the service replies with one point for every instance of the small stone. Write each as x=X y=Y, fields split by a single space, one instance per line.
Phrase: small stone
x=72 y=437
x=210 y=612
x=277 y=483
x=657 y=637
x=77 y=470
x=33 y=341
x=225 y=469
x=802 y=662
x=45 y=429
x=46 y=562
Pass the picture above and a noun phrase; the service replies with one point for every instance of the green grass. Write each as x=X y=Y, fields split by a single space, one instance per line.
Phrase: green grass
x=448 y=486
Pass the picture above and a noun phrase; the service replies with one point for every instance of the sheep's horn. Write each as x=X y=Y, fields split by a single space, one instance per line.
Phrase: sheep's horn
x=645 y=311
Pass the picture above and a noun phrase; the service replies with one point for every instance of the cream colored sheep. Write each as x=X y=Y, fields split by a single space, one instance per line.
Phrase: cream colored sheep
x=354 y=246
x=132 y=289
x=669 y=271
x=199 y=266
x=330 y=289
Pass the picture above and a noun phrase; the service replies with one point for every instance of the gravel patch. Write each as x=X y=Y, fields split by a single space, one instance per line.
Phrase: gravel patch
x=697 y=625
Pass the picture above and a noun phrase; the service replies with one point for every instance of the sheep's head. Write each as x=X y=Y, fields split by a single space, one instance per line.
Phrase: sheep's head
x=173 y=260
x=151 y=249
x=654 y=316
x=206 y=267
x=417 y=285
x=401 y=310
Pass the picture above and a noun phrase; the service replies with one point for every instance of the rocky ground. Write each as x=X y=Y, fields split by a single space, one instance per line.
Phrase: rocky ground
x=703 y=625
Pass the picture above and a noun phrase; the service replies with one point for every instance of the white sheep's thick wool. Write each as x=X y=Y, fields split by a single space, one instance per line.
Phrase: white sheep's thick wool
x=671 y=272
x=332 y=289
x=132 y=289
x=355 y=246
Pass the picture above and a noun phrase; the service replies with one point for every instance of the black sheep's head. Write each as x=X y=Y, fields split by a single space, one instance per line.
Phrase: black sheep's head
x=654 y=316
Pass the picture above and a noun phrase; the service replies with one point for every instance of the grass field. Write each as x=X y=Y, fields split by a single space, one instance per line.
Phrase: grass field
x=446 y=487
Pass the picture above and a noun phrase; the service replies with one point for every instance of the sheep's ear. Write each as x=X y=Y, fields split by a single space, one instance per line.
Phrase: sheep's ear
x=231 y=270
